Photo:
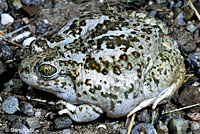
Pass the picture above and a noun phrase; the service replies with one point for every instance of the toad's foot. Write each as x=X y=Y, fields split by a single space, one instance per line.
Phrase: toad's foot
x=141 y=106
x=164 y=94
x=81 y=113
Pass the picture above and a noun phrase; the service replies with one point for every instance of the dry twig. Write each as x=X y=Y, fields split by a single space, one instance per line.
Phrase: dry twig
x=193 y=8
x=131 y=123
x=198 y=104
x=11 y=42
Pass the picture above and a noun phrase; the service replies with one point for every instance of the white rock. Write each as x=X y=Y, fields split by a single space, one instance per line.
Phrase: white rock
x=6 y=18
x=101 y=1
x=21 y=36
x=46 y=21
x=28 y=41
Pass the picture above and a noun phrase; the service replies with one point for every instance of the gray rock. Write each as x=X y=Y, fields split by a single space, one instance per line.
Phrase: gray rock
x=147 y=127
x=10 y=105
x=189 y=96
x=62 y=122
x=178 y=126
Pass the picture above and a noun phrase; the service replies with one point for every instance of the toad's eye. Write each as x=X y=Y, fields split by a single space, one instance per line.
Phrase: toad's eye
x=47 y=71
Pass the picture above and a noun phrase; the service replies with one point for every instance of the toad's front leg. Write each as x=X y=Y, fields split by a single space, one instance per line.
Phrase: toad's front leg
x=81 y=113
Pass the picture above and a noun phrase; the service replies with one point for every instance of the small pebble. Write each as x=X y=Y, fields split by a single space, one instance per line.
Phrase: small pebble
x=66 y=131
x=11 y=117
x=160 y=1
x=42 y=28
x=195 y=126
x=194 y=63
x=6 y=19
x=46 y=21
x=38 y=113
x=17 y=4
x=172 y=4
x=116 y=126
x=188 y=12
x=2 y=67
x=6 y=52
x=13 y=84
x=18 y=24
x=25 y=20
x=32 y=2
x=28 y=41
x=8 y=86
x=162 y=128
x=153 y=13
x=178 y=126
x=62 y=122
x=178 y=4
x=147 y=128
x=179 y=21
x=83 y=1
x=27 y=109
x=191 y=28
x=143 y=116
x=33 y=123
x=21 y=36
x=20 y=129
x=101 y=1
x=3 y=5
x=10 y=105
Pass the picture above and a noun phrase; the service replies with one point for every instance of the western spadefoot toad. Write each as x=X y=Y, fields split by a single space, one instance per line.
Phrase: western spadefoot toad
x=114 y=63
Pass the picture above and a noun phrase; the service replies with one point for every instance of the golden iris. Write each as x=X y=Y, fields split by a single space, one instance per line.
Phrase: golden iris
x=47 y=70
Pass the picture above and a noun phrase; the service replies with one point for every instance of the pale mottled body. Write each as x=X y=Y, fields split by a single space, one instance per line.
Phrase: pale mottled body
x=109 y=61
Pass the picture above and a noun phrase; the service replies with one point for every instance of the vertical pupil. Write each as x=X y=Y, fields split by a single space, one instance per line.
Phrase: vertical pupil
x=46 y=69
